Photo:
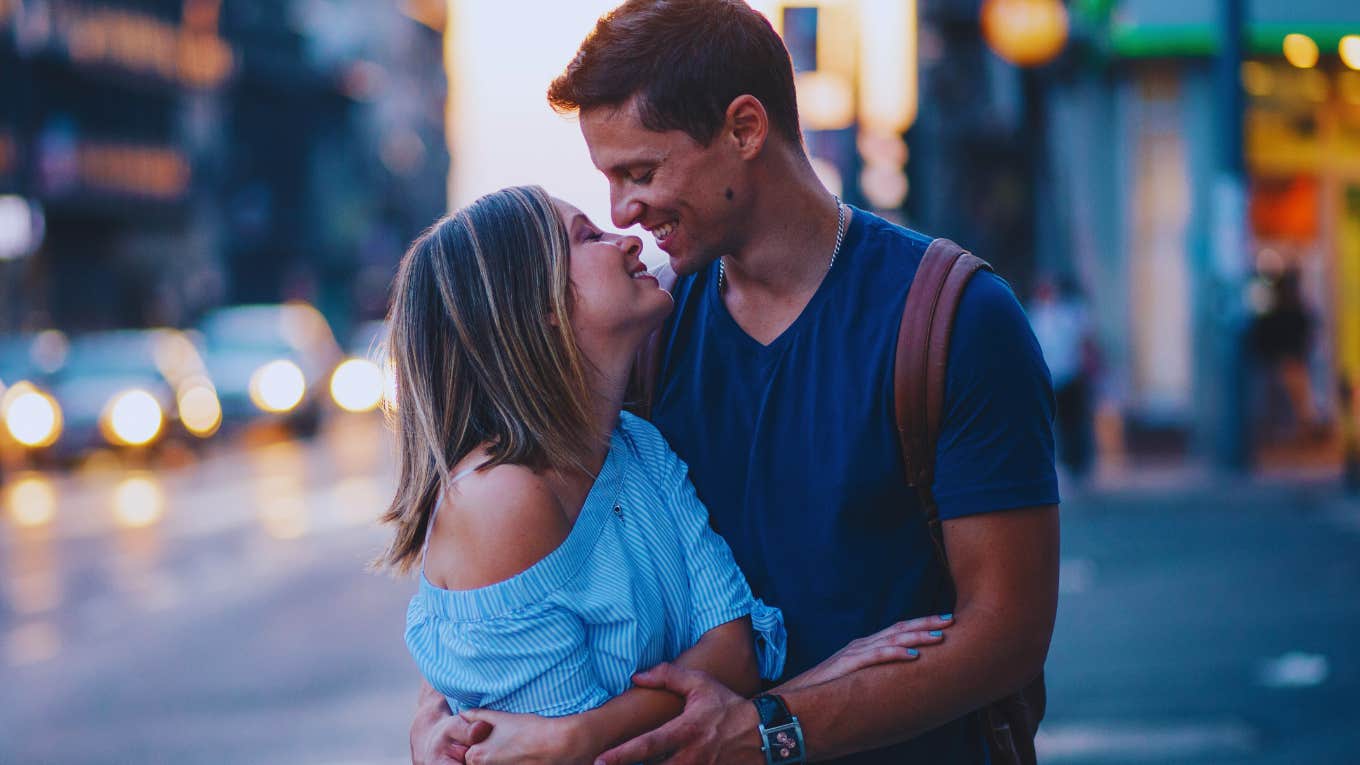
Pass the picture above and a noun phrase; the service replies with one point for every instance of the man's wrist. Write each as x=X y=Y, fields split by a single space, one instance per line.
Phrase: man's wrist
x=741 y=735
x=781 y=734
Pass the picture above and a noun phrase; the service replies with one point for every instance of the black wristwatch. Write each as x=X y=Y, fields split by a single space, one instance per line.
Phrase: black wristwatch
x=781 y=737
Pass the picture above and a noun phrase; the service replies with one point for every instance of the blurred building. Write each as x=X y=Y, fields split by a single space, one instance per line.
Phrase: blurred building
x=186 y=153
x=1133 y=176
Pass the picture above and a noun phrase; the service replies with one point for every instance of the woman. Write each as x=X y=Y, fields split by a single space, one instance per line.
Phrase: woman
x=562 y=548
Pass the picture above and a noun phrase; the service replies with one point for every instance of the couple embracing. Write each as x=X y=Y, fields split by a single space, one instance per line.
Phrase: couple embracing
x=748 y=575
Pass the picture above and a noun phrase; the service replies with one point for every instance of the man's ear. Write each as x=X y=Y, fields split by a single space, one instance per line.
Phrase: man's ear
x=747 y=125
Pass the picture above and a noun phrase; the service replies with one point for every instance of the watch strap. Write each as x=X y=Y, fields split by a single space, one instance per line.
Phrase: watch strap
x=781 y=735
x=772 y=710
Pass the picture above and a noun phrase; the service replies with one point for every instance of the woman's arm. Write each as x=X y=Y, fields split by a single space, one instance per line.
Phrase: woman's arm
x=724 y=652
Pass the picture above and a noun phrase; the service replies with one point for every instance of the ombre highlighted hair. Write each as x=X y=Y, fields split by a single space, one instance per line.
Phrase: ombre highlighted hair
x=484 y=354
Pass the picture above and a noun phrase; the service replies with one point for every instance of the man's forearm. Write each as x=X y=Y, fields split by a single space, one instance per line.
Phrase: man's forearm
x=889 y=703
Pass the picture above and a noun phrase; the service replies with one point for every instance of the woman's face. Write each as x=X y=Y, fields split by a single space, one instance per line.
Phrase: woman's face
x=615 y=302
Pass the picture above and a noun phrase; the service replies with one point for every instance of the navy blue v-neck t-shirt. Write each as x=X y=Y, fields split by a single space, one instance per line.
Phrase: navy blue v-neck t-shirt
x=793 y=447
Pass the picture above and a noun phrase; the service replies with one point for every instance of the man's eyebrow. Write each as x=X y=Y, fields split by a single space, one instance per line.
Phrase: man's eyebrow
x=624 y=167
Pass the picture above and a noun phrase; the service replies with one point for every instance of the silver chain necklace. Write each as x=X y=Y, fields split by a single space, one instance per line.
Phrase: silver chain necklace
x=840 y=237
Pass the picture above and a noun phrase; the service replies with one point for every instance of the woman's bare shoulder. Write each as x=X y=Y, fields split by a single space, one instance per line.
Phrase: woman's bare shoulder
x=493 y=524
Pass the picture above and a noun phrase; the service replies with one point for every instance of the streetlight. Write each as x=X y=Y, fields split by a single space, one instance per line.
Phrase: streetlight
x=1027 y=33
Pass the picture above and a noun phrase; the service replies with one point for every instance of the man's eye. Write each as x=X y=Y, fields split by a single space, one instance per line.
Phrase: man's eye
x=644 y=178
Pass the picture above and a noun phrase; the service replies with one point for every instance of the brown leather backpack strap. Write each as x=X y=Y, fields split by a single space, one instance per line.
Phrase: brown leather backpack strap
x=923 y=355
x=647 y=365
x=1009 y=724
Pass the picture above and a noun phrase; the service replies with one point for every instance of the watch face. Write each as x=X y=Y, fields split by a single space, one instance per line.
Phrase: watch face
x=784 y=743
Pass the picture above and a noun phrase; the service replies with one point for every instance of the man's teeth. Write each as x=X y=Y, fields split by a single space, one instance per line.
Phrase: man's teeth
x=663 y=231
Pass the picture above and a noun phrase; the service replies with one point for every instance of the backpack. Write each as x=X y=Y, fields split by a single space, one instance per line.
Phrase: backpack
x=1009 y=724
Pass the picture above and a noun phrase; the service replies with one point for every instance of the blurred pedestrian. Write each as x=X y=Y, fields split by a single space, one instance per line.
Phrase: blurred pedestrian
x=1062 y=325
x=777 y=389
x=1281 y=337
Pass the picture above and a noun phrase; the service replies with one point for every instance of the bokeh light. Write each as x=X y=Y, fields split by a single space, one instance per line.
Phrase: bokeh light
x=134 y=418
x=138 y=502
x=32 y=417
x=31 y=501
x=1025 y=32
x=199 y=409
x=1300 y=50
x=278 y=386
x=1349 y=49
x=358 y=385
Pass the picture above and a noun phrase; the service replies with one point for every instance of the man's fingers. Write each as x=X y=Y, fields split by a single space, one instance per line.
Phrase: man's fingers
x=458 y=729
x=644 y=748
x=666 y=676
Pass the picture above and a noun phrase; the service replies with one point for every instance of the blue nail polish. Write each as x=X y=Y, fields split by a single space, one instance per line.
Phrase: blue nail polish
x=936 y=633
x=913 y=652
x=946 y=617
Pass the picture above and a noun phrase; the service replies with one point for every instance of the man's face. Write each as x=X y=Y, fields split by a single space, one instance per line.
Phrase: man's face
x=686 y=194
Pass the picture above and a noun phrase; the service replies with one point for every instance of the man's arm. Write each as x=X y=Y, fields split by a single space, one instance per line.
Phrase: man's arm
x=1005 y=567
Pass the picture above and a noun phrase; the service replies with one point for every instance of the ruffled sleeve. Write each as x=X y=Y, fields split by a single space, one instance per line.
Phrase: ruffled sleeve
x=719 y=590
x=534 y=660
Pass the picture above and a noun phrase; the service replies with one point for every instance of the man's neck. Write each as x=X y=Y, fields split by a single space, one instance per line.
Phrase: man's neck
x=792 y=232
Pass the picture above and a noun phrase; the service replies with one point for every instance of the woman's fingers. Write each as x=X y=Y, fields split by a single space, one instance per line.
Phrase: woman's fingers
x=923 y=624
x=869 y=657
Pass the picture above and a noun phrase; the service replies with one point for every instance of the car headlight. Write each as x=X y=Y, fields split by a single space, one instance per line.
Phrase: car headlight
x=199 y=409
x=278 y=386
x=31 y=416
x=132 y=418
x=357 y=385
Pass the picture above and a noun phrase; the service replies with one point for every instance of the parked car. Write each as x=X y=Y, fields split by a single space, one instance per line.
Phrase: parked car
x=270 y=362
x=131 y=389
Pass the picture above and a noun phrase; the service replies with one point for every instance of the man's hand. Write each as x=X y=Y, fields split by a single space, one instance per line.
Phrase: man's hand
x=524 y=739
x=898 y=642
x=717 y=726
x=441 y=738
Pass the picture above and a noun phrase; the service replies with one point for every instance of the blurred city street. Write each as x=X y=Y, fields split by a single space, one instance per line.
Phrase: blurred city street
x=203 y=204
x=226 y=615
x=217 y=612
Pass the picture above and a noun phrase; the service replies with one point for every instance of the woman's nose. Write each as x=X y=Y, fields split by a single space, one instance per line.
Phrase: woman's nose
x=630 y=244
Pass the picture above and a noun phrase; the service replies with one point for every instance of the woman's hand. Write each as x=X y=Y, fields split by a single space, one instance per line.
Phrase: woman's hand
x=529 y=740
x=898 y=642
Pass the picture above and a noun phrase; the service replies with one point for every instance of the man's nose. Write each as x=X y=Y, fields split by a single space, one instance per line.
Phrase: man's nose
x=624 y=209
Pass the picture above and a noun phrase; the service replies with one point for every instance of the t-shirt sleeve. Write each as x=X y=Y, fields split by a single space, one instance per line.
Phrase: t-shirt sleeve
x=718 y=589
x=995 y=450
x=534 y=661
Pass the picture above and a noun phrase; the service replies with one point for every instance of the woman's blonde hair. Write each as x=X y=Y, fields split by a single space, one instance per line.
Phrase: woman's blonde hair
x=484 y=354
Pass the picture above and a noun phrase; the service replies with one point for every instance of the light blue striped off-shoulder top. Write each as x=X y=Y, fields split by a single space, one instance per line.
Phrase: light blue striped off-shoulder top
x=637 y=581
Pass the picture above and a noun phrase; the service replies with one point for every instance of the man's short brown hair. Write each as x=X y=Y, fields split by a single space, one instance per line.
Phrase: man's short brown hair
x=685 y=60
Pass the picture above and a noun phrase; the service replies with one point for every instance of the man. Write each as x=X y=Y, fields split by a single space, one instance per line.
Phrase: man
x=776 y=388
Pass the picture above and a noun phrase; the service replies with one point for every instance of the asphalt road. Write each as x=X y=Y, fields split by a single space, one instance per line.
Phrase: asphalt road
x=221 y=612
